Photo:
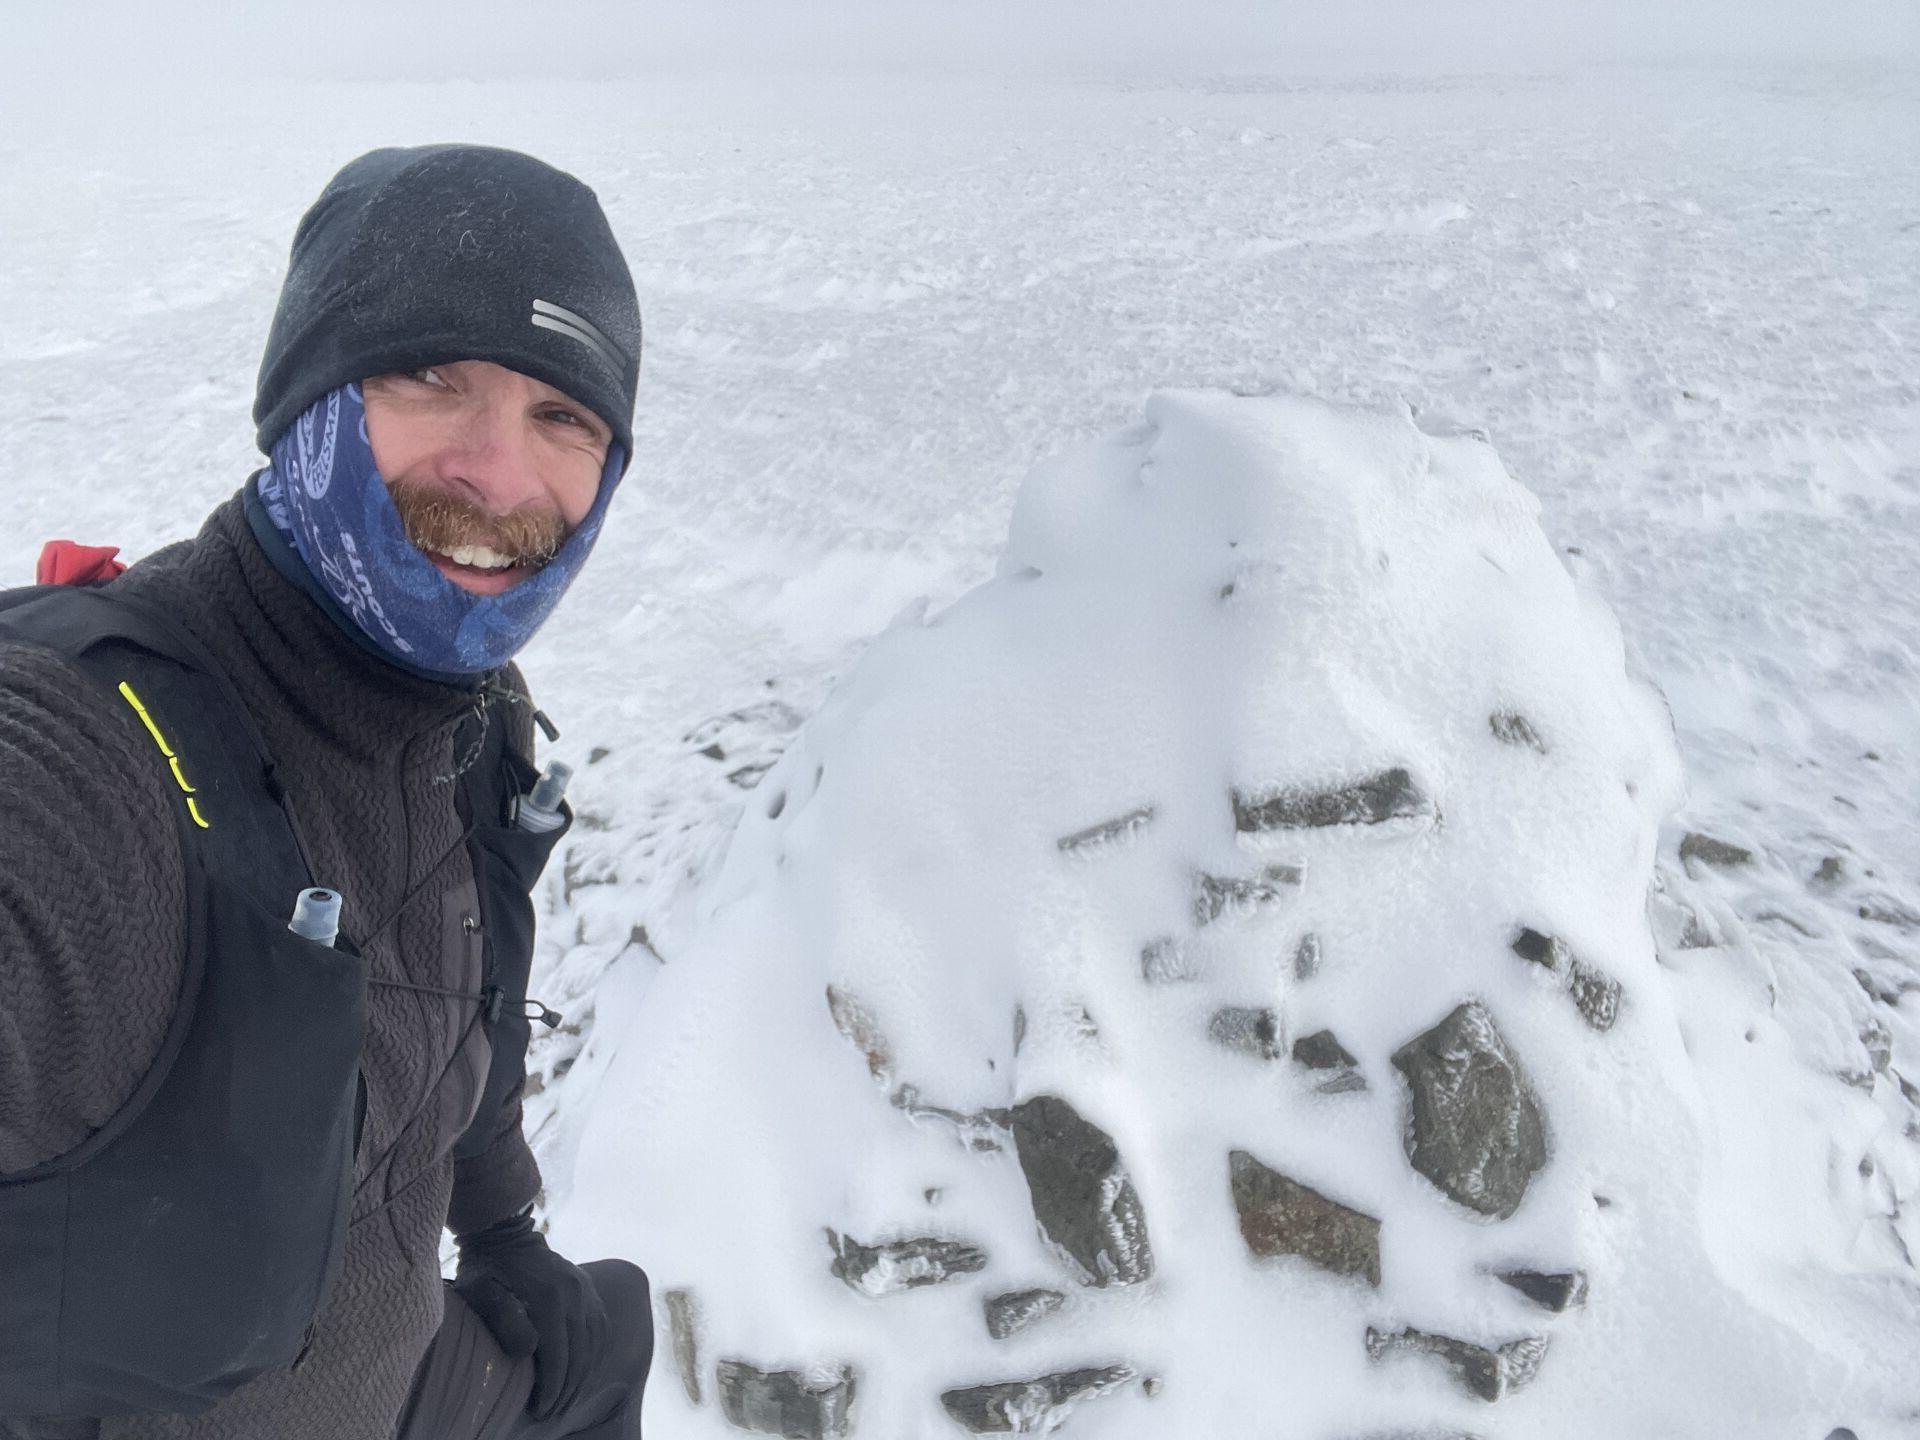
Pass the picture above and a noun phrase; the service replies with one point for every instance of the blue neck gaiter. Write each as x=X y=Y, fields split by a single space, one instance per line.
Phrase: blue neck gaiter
x=323 y=493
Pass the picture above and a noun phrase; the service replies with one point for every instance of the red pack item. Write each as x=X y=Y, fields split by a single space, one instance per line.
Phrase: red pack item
x=62 y=562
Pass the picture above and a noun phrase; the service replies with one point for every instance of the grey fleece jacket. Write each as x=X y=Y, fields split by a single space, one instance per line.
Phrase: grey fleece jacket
x=91 y=941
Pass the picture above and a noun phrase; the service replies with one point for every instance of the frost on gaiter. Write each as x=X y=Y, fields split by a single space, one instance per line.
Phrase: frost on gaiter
x=1200 y=984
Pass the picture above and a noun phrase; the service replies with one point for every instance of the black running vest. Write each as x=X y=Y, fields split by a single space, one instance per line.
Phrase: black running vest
x=188 y=1246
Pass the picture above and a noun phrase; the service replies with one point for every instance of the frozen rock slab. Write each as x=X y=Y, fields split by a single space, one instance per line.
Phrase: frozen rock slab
x=1306 y=957
x=1700 y=849
x=1512 y=728
x=1596 y=994
x=1107 y=835
x=983 y=1131
x=1322 y=1051
x=1374 y=800
x=1253 y=1031
x=1486 y=1373
x=1165 y=961
x=798 y=1405
x=1280 y=1216
x=1228 y=897
x=1558 y=1291
x=683 y=1325
x=1009 y=1314
x=1029 y=1407
x=897 y=1265
x=1475 y=1129
x=1087 y=1209
x=853 y=1020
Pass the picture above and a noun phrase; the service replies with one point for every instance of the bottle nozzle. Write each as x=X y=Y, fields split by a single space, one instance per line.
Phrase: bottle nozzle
x=539 y=808
x=316 y=915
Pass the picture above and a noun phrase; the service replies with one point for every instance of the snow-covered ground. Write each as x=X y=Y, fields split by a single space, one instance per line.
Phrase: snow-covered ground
x=1681 y=302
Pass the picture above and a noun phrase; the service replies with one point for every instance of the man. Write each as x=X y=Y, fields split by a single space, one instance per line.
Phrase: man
x=446 y=397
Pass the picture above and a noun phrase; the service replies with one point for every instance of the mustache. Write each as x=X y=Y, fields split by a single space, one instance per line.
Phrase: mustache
x=439 y=521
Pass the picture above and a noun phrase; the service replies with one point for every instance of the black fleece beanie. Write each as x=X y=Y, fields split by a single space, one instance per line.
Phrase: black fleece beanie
x=437 y=253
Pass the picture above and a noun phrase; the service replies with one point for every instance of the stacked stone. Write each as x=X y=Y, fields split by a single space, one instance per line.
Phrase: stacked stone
x=1474 y=1131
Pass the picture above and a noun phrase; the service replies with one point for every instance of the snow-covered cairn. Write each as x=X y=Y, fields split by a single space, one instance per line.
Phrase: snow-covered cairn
x=1200 y=985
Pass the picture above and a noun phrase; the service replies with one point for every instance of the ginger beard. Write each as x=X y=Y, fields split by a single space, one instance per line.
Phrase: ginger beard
x=482 y=553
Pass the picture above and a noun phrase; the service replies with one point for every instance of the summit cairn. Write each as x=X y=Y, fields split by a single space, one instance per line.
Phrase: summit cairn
x=1200 y=983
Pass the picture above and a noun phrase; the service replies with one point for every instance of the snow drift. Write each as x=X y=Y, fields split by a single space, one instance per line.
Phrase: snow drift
x=1201 y=984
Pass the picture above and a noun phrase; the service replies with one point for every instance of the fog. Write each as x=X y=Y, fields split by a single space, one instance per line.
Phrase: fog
x=76 y=46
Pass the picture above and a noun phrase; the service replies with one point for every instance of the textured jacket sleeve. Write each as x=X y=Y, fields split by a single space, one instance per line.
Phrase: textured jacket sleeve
x=92 y=907
x=494 y=1173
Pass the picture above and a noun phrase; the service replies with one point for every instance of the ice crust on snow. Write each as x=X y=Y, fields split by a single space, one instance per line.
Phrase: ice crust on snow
x=1273 y=637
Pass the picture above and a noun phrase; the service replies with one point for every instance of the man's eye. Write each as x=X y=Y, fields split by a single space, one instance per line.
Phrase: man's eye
x=426 y=375
x=569 y=417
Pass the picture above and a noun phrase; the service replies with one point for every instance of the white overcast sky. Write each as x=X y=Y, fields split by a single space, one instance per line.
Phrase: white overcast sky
x=122 y=41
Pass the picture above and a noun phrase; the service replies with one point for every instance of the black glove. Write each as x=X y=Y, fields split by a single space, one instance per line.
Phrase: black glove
x=535 y=1303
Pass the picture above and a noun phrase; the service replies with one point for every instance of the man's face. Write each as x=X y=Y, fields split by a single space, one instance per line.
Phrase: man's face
x=484 y=464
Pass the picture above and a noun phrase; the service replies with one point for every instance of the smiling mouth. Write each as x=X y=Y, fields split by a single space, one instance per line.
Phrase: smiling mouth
x=478 y=569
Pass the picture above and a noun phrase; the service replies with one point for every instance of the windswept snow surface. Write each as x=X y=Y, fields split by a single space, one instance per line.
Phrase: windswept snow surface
x=1680 y=301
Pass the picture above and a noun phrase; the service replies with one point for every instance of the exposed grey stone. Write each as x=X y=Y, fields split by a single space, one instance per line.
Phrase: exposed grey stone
x=1306 y=957
x=1709 y=851
x=982 y=1131
x=1515 y=729
x=1086 y=1207
x=1251 y=1031
x=1885 y=910
x=1321 y=1051
x=1217 y=897
x=852 y=1020
x=1280 y=1216
x=1595 y=993
x=1345 y=1083
x=1556 y=1290
x=1475 y=1129
x=1388 y=795
x=1887 y=992
x=1019 y=1027
x=1879 y=1042
x=1831 y=872
x=1541 y=949
x=683 y=1323
x=1165 y=961
x=1486 y=1373
x=789 y=1403
x=1013 y=1312
x=896 y=1265
x=1026 y=1407
x=1108 y=834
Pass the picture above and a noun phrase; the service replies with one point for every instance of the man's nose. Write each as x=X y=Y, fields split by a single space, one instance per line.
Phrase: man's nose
x=488 y=453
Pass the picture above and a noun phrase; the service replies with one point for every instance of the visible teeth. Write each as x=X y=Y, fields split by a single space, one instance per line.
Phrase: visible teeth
x=479 y=556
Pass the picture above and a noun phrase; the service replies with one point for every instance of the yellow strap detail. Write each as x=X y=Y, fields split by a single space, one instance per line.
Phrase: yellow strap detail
x=173 y=760
x=146 y=719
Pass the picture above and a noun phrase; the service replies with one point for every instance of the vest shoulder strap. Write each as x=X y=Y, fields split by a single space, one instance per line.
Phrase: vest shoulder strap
x=236 y=818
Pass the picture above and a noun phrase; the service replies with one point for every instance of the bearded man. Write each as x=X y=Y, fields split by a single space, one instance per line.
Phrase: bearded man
x=228 y=1150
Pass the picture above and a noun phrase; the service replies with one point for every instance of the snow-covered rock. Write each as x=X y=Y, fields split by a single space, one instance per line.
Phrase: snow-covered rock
x=1232 y=918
